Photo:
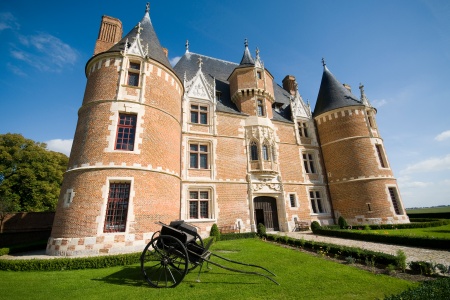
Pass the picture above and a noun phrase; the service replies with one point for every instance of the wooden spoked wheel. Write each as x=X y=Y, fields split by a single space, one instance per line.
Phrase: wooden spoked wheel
x=164 y=262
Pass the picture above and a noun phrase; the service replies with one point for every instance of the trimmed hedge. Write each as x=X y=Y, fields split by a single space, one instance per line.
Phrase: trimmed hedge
x=416 y=223
x=61 y=264
x=365 y=235
x=340 y=251
x=438 y=289
x=238 y=236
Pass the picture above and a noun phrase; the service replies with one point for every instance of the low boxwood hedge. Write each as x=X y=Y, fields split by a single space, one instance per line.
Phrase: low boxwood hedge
x=339 y=251
x=438 y=289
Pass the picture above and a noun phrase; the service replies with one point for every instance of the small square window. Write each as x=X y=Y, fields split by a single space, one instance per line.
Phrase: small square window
x=292 y=200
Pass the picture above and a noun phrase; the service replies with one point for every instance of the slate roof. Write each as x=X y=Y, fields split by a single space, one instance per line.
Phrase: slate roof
x=220 y=70
x=333 y=95
x=147 y=35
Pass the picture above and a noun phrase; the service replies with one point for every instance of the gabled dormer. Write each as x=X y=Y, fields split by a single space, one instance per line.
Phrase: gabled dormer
x=251 y=86
x=199 y=102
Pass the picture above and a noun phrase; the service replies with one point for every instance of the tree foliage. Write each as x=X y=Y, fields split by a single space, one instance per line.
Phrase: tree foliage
x=30 y=175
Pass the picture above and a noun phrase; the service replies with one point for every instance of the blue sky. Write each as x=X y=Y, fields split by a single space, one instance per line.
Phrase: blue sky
x=399 y=50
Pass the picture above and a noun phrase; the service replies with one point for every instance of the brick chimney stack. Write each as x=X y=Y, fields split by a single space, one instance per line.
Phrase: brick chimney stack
x=109 y=34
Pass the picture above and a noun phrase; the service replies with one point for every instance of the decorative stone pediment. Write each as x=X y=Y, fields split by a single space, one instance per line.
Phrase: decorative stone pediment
x=299 y=108
x=135 y=47
x=198 y=87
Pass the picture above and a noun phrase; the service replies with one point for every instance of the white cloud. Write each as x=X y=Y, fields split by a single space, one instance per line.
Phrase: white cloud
x=16 y=70
x=44 y=52
x=7 y=21
x=379 y=103
x=443 y=136
x=59 y=145
x=174 y=60
x=429 y=165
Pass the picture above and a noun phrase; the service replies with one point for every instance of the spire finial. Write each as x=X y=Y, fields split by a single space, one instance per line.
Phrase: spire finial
x=200 y=62
x=257 y=52
x=147 y=7
x=323 y=62
x=246 y=43
x=139 y=28
x=187 y=46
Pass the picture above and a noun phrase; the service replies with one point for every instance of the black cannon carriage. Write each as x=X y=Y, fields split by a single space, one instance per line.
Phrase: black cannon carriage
x=177 y=249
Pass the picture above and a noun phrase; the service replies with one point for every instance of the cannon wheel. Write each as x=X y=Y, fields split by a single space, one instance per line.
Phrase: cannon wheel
x=164 y=262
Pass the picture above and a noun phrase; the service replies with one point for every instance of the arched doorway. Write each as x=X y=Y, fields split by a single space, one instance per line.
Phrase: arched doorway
x=266 y=212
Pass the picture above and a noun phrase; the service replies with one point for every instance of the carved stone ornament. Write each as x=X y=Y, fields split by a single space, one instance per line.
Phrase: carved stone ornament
x=259 y=186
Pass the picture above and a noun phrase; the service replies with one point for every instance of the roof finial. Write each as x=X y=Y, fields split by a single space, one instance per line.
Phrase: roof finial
x=139 y=28
x=257 y=52
x=323 y=62
x=147 y=7
x=246 y=43
x=200 y=62
x=187 y=46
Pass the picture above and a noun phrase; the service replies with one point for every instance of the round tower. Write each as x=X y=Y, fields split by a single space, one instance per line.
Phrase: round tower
x=362 y=186
x=124 y=167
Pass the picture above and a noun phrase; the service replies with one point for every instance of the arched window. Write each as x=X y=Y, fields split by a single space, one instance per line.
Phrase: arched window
x=253 y=151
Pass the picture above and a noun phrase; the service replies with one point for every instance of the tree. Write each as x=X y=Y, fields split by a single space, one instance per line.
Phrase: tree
x=30 y=175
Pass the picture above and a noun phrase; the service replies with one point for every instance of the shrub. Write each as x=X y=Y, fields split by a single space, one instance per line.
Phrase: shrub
x=4 y=251
x=215 y=232
x=315 y=226
x=342 y=223
x=401 y=260
x=434 y=289
x=237 y=236
x=422 y=267
x=261 y=229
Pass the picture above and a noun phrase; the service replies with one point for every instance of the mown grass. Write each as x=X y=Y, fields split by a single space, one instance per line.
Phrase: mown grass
x=429 y=210
x=301 y=276
x=429 y=232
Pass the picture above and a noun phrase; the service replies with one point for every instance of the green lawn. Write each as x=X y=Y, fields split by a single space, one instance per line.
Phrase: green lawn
x=430 y=232
x=301 y=276
x=428 y=210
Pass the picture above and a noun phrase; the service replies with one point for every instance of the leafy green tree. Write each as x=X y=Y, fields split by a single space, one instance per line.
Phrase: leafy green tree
x=30 y=175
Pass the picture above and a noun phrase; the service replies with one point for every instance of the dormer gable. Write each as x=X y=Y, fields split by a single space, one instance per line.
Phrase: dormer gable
x=199 y=87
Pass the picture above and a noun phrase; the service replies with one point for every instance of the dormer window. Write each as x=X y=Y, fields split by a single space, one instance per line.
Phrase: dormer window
x=133 y=73
x=199 y=114
x=258 y=75
x=260 y=108
x=303 y=129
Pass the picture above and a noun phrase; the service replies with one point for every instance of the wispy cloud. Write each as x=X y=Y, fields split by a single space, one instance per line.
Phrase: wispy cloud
x=379 y=102
x=16 y=70
x=429 y=165
x=7 y=21
x=59 y=145
x=443 y=136
x=44 y=52
x=174 y=60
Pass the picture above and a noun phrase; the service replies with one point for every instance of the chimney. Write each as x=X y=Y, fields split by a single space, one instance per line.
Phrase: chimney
x=109 y=34
x=289 y=84
x=349 y=88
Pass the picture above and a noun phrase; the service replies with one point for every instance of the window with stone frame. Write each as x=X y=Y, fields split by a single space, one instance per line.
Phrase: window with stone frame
x=303 y=129
x=293 y=200
x=254 y=151
x=260 y=108
x=117 y=207
x=265 y=152
x=317 y=204
x=198 y=155
x=199 y=204
x=395 y=200
x=381 y=156
x=126 y=132
x=134 y=70
x=308 y=163
x=199 y=114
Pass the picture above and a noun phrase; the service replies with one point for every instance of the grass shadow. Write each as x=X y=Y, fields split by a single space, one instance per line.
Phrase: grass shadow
x=128 y=276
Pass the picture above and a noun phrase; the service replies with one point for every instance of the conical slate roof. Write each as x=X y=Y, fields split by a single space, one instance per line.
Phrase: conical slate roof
x=147 y=36
x=247 y=59
x=333 y=95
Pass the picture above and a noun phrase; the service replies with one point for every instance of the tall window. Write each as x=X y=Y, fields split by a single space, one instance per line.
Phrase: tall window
x=316 y=202
x=133 y=74
x=117 y=207
x=308 y=162
x=253 y=151
x=198 y=156
x=126 y=131
x=199 y=114
x=199 y=204
x=303 y=129
x=265 y=152
x=260 y=108
x=381 y=156
x=292 y=200
x=394 y=198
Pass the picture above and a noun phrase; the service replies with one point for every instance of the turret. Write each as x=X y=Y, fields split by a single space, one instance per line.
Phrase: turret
x=122 y=156
x=362 y=185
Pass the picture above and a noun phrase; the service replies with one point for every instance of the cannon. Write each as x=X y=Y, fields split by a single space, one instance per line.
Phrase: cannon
x=178 y=249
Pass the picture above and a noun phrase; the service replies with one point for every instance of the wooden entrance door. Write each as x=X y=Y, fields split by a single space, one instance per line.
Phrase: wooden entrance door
x=266 y=212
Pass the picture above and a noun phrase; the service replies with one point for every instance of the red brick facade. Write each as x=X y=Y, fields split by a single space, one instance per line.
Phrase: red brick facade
x=195 y=160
